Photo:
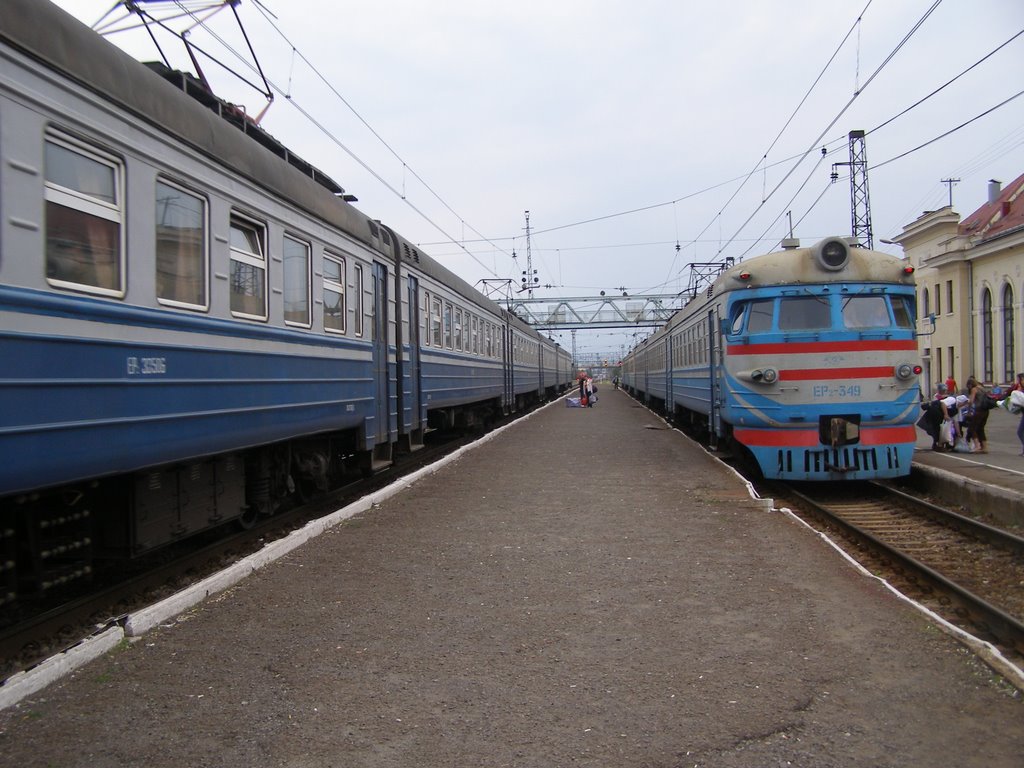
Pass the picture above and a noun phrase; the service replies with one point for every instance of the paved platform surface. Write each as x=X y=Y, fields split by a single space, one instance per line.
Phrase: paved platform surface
x=587 y=588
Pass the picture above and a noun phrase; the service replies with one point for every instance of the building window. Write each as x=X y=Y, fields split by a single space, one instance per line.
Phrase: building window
x=986 y=335
x=334 y=293
x=949 y=297
x=84 y=217
x=248 y=269
x=938 y=301
x=926 y=306
x=1009 y=341
x=181 y=252
x=357 y=294
x=296 y=282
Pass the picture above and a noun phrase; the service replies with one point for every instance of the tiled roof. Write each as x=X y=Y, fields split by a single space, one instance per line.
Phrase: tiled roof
x=993 y=219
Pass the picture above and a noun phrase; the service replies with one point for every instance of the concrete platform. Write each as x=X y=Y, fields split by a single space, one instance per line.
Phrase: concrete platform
x=587 y=588
x=990 y=483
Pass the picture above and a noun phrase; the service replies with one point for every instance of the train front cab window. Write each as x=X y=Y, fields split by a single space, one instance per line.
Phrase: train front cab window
x=334 y=293
x=804 y=313
x=296 y=282
x=755 y=315
x=870 y=311
x=248 y=269
x=84 y=216
x=181 y=247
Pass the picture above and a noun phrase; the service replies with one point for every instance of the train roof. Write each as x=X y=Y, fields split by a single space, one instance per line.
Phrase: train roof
x=178 y=103
x=831 y=260
x=210 y=126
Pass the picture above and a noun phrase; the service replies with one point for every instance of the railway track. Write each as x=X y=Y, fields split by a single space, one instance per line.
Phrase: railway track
x=969 y=572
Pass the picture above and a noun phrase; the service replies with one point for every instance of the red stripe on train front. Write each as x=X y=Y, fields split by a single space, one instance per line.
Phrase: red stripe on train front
x=803 y=347
x=833 y=374
x=808 y=438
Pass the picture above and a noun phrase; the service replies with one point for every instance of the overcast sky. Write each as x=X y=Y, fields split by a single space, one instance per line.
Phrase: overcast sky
x=626 y=129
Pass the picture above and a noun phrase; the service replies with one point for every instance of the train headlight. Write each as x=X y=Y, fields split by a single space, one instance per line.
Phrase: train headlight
x=833 y=254
x=770 y=376
x=906 y=371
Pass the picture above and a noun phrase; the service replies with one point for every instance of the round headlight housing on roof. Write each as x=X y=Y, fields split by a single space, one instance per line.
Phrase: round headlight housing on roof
x=832 y=254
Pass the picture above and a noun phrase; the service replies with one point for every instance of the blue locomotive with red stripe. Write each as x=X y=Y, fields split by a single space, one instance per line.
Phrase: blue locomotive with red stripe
x=803 y=360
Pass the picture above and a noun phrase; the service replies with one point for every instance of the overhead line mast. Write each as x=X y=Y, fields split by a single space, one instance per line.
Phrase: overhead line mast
x=860 y=201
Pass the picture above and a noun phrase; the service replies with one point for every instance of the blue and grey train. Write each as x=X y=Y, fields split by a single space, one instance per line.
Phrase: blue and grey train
x=803 y=360
x=195 y=325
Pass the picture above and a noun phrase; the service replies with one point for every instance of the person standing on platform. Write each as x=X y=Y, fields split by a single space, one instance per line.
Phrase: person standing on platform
x=978 y=415
x=1018 y=386
x=951 y=385
x=589 y=392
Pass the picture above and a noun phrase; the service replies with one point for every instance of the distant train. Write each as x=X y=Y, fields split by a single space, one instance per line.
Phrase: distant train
x=803 y=360
x=195 y=325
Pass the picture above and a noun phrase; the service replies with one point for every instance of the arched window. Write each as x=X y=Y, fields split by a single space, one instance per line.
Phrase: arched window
x=926 y=305
x=1009 y=342
x=986 y=335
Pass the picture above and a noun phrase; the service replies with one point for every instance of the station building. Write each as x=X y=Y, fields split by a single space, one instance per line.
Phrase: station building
x=970 y=283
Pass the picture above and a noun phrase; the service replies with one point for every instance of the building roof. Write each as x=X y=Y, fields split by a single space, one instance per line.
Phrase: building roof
x=999 y=216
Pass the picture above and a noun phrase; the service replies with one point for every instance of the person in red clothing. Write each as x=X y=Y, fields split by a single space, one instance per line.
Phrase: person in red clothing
x=951 y=385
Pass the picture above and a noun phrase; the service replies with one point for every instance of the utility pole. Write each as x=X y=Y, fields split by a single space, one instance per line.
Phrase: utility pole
x=860 y=202
x=530 y=275
x=950 y=183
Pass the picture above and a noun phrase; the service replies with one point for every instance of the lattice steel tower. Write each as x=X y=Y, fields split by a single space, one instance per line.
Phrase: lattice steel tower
x=860 y=202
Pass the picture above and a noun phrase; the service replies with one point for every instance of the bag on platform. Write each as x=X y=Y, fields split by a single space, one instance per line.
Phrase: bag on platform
x=962 y=446
x=1015 y=402
x=946 y=433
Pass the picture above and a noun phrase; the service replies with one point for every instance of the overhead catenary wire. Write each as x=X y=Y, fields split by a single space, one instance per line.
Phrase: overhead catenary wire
x=814 y=144
x=327 y=132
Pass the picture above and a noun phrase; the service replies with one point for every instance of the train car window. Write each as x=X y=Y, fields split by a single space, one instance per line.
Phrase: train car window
x=458 y=330
x=866 y=312
x=476 y=339
x=357 y=294
x=84 y=217
x=903 y=311
x=334 y=293
x=296 y=282
x=425 y=331
x=802 y=313
x=248 y=269
x=435 y=321
x=181 y=247
x=447 y=325
x=760 y=319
